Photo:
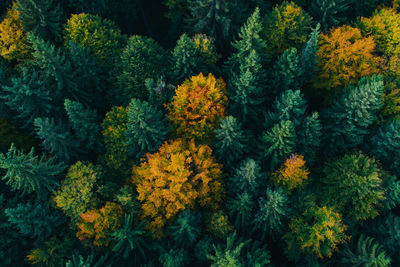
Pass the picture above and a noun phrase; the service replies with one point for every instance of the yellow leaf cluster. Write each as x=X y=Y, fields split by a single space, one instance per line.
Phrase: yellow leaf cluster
x=13 y=41
x=175 y=178
x=292 y=173
x=98 y=223
x=198 y=107
x=344 y=56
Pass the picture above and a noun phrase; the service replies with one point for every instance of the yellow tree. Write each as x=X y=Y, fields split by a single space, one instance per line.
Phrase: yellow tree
x=198 y=107
x=13 y=40
x=344 y=56
x=175 y=178
x=292 y=173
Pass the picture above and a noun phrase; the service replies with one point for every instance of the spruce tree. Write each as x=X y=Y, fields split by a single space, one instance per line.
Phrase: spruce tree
x=309 y=138
x=308 y=60
x=230 y=144
x=245 y=70
x=34 y=220
x=29 y=173
x=240 y=210
x=56 y=138
x=329 y=13
x=278 y=143
x=348 y=120
x=41 y=17
x=186 y=229
x=85 y=123
x=30 y=97
x=147 y=127
x=248 y=176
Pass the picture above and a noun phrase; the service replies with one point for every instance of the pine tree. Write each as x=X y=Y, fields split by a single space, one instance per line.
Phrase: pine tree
x=130 y=239
x=346 y=123
x=56 y=138
x=329 y=13
x=79 y=261
x=272 y=213
x=85 y=123
x=28 y=173
x=240 y=208
x=248 y=176
x=34 y=220
x=41 y=17
x=186 y=229
x=257 y=254
x=147 y=128
x=30 y=97
x=308 y=60
x=367 y=253
x=230 y=141
x=278 y=143
x=286 y=72
x=309 y=138
x=245 y=70
x=142 y=58
x=385 y=145
x=174 y=258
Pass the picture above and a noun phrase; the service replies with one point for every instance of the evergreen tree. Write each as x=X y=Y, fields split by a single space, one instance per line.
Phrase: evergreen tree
x=286 y=72
x=28 y=173
x=367 y=253
x=329 y=13
x=36 y=221
x=278 y=143
x=309 y=138
x=308 y=58
x=174 y=258
x=240 y=208
x=142 y=58
x=30 y=97
x=245 y=70
x=388 y=233
x=57 y=138
x=147 y=128
x=230 y=141
x=257 y=254
x=130 y=239
x=347 y=121
x=79 y=261
x=392 y=192
x=41 y=17
x=272 y=213
x=247 y=177
x=186 y=229
x=85 y=123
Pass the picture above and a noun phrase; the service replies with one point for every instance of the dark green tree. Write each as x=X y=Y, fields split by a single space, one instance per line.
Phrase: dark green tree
x=56 y=138
x=130 y=239
x=230 y=141
x=392 y=191
x=90 y=261
x=240 y=210
x=160 y=92
x=41 y=17
x=85 y=123
x=348 y=120
x=186 y=229
x=174 y=258
x=367 y=253
x=387 y=231
x=245 y=69
x=30 y=97
x=28 y=173
x=147 y=127
x=329 y=13
x=272 y=213
x=353 y=185
x=248 y=176
x=308 y=60
x=257 y=254
x=142 y=58
x=278 y=143
x=309 y=138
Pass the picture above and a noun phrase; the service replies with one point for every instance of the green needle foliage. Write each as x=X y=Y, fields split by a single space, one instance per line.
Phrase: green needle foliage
x=248 y=176
x=240 y=209
x=28 y=173
x=186 y=229
x=367 y=253
x=79 y=261
x=329 y=13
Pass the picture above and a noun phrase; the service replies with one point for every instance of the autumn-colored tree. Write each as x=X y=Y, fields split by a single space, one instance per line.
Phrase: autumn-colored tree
x=318 y=231
x=13 y=42
x=179 y=175
x=384 y=27
x=344 y=56
x=98 y=223
x=101 y=36
x=292 y=173
x=287 y=25
x=198 y=107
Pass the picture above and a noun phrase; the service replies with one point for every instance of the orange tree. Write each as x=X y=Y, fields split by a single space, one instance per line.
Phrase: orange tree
x=344 y=56
x=175 y=178
x=198 y=107
x=98 y=223
x=292 y=173
x=13 y=41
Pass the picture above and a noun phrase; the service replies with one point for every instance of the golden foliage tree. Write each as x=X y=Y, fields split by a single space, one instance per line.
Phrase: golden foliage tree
x=175 y=178
x=292 y=173
x=13 y=41
x=344 y=56
x=98 y=223
x=198 y=107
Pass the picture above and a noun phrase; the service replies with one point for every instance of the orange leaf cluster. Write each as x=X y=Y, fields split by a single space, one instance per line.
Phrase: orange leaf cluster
x=174 y=178
x=198 y=107
x=98 y=223
x=292 y=173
